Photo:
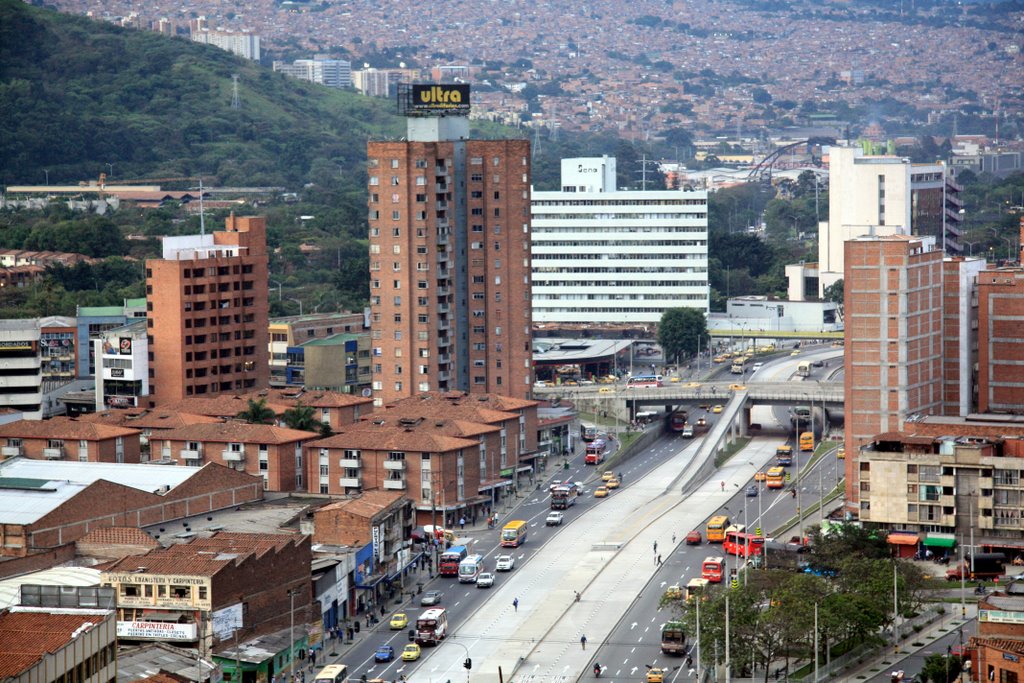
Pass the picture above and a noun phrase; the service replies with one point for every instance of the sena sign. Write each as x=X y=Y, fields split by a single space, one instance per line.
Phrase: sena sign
x=447 y=99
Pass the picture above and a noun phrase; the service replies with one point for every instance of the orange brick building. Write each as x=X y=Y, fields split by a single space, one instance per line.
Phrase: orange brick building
x=67 y=438
x=207 y=313
x=1001 y=340
x=449 y=262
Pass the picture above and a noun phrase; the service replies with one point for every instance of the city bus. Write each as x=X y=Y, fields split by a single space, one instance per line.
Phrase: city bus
x=332 y=673
x=645 y=381
x=743 y=544
x=470 y=568
x=563 y=497
x=513 y=534
x=775 y=477
x=713 y=569
x=673 y=638
x=595 y=452
x=784 y=455
x=696 y=588
x=677 y=421
x=432 y=626
x=716 y=528
x=448 y=565
x=589 y=433
x=807 y=441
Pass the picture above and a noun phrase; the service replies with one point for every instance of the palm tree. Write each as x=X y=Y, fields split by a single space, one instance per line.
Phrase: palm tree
x=258 y=412
x=301 y=417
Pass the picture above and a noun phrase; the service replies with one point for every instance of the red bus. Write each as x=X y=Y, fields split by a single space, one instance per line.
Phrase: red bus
x=448 y=565
x=713 y=569
x=645 y=381
x=595 y=452
x=743 y=544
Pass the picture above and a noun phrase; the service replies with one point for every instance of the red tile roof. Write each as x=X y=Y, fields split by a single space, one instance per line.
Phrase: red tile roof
x=309 y=397
x=63 y=428
x=218 y=551
x=391 y=436
x=367 y=504
x=221 y=406
x=236 y=432
x=120 y=535
x=147 y=419
x=26 y=636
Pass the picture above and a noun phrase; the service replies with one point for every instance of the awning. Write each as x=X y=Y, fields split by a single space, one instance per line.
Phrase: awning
x=936 y=540
x=903 y=539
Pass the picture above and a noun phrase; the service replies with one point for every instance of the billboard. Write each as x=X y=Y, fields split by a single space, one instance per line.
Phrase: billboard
x=155 y=630
x=445 y=99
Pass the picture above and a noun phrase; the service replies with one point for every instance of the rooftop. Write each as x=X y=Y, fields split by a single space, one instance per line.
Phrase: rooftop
x=10 y=589
x=27 y=635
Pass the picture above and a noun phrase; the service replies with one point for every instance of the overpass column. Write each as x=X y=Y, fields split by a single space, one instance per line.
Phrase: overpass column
x=744 y=417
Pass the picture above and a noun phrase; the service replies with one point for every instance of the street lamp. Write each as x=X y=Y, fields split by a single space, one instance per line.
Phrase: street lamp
x=1009 y=243
x=275 y=282
x=110 y=169
x=292 y=592
x=299 y=302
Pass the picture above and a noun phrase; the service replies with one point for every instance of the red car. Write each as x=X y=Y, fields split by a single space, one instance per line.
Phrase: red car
x=694 y=538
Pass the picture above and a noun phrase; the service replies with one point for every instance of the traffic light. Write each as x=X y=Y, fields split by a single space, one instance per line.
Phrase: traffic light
x=468 y=663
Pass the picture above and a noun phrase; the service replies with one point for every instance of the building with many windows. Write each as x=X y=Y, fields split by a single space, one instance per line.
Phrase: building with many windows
x=449 y=261
x=208 y=322
x=243 y=44
x=601 y=255
x=334 y=73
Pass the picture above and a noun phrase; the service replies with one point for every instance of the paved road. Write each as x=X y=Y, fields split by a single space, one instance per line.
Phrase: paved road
x=912 y=664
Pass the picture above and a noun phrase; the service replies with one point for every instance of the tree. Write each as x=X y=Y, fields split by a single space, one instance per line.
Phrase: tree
x=940 y=668
x=835 y=292
x=301 y=417
x=681 y=331
x=258 y=412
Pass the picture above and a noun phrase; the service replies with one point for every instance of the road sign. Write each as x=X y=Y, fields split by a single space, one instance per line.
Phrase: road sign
x=757 y=530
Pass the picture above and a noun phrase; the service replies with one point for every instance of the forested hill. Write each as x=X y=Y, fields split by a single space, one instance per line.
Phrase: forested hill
x=77 y=94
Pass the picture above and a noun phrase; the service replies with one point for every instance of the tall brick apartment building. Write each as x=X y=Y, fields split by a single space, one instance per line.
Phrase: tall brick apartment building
x=1000 y=340
x=449 y=261
x=207 y=313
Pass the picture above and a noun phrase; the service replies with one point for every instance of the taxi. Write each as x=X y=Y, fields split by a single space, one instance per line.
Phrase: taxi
x=692 y=385
x=841 y=452
x=612 y=483
x=606 y=390
x=601 y=492
x=719 y=359
x=607 y=475
x=768 y=348
x=737 y=387
x=674 y=592
x=673 y=378
x=655 y=675
x=411 y=652
x=398 y=621
x=795 y=352
x=760 y=476
x=716 y=409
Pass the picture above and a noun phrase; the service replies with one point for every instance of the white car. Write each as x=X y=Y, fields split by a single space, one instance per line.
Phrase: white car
x=757 y=366
x=553 y=519
x=504 y=563
x=485 y=580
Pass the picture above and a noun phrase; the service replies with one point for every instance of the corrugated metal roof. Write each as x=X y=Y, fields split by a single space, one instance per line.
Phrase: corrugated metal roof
x=10 y=589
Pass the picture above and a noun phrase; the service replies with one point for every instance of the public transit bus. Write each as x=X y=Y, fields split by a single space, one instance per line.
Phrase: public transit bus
x=332 y=673
x=713 y=569
x=645 y=381
x=563 y=497
x=589 y=433
x=595 y=452
x=432 y=626
x=448 y=565
x=807 y=441
x=743 y=544
x=470 y=568
x=677 y=420
x=513 y=534
x=716 y=528
x=696 y=588
x=775 y=477
x=784 y=455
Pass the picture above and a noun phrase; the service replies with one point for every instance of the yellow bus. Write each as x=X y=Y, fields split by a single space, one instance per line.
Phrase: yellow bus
x=807 y=441
x=696 y=588
x=775 y=478
x=513 y=534
x=332 y=673
x=716 y=528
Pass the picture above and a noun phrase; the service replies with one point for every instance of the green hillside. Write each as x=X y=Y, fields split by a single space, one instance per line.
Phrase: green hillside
x=77 y=94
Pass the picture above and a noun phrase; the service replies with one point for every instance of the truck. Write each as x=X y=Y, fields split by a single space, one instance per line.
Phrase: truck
x=673 y=638
x=986 y=566
x=739 y=365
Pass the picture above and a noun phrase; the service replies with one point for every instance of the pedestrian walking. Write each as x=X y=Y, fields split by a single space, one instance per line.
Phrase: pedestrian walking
x=673 y=539
x=462 y=522
x=515 y=604
x=583 y=641
x=655 y=546
x=659 y=560
x=723 y=485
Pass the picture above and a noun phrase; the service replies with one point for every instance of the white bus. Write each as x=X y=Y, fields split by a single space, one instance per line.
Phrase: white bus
x=332 y=673
x=432 y=626
x=470 y=568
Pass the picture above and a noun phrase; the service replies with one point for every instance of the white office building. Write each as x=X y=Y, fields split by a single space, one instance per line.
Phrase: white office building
x=604 y=256
x=334 y=73
x=243 y=44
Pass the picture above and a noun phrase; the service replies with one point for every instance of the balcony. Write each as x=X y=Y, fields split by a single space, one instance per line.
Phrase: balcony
x=190 y=454
x=349 y=482
x=394 y=484
x=54 y=453
x=394 y=465
x=350 y=463
x=233 y=456
x=11 y=451
x=17 y=381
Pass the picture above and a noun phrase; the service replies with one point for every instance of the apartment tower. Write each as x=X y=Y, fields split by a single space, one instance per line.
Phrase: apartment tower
x=1000 y=342
x=893 y=359
x=449 y=222
x=207 y=313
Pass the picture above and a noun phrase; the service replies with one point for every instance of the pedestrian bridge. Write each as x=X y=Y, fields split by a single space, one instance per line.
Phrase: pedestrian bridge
x=828 y=394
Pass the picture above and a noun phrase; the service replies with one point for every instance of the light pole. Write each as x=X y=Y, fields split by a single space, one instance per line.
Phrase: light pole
x=47 y=179
x=275 y=282
x=110 y=169
x=292 y=592
x=299 y=302
x=1009 y=243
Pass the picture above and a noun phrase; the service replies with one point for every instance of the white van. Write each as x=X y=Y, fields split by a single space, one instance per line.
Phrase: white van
x=756 y=367
x=688 y=431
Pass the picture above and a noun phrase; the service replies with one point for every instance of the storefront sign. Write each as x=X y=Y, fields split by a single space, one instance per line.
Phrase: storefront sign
x=117 y=372
x=155 y=630
x=125 y=344
x=1000 y=617
x=378 y=546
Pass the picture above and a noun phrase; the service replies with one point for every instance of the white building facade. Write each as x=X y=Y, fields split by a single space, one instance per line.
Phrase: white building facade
x=600 y=255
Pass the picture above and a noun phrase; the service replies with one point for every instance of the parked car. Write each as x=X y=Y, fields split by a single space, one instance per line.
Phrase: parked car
x=554 y=518
x=694 y=538
x=384 y=653
x=485 y=580
x=431 y=598
x=504 y=563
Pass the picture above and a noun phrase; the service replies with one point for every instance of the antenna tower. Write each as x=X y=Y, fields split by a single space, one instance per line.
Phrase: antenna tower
x=235 y=101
